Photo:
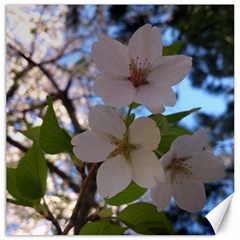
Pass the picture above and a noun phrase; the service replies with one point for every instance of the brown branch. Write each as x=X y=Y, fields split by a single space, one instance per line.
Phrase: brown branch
x=34 y=64
x=87 y=203
x=68 y=104
x=62 y=52
x=49 y=216
x=76 y=209
x=54 y=222
x=54 y=97
x=16 y=144
x=15 y=86
x=62 y=94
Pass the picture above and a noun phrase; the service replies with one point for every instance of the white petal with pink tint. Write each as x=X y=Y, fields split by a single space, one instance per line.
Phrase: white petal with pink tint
x=189 y=195
x=104 y=118
x=145 y=43
x=86 y=142
x=145 y=133
x=188 y=145
x=154 y=96
x=170 y=70
x=206 y=167
x=110 y=55
x=110 y=85
x=147 y=169
x=113 y=176
x=162 y=193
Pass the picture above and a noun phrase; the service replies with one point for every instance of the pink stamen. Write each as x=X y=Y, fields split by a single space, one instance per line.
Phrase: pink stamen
x=138 y=73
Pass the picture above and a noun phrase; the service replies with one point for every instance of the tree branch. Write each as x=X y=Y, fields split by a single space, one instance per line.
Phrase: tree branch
x=73 y=218
x=34 y=64
x=62 y=94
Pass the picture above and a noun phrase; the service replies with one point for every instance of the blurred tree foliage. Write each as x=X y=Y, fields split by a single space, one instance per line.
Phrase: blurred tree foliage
x=63 y=70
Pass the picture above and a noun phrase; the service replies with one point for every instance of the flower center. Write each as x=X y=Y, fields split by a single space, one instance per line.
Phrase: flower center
x=179 y=170
x=122 y=148
x=139 y=72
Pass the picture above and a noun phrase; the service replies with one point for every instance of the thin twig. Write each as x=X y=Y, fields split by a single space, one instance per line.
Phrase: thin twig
x=54 y=222
x=73 y=218
x=49 y=216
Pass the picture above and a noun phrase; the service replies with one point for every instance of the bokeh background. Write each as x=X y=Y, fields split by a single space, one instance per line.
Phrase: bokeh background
x=48 y=52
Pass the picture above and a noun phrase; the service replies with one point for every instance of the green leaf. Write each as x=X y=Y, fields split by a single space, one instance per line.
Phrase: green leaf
x=135 y=105
x=172 y=49
x=160 y=120
x=13 y=190
x=53 y=139
x=168 y=133
x=101 y=228
x=175 y=117
x=130 y=194
x=106 y=213
x=31 y=174
x=143 y=218
x=32 y=133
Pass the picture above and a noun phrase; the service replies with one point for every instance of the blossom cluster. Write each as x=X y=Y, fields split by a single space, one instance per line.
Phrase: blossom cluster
x=139 y=73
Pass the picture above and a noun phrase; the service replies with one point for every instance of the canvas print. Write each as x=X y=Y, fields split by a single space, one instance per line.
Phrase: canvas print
x=119 y=118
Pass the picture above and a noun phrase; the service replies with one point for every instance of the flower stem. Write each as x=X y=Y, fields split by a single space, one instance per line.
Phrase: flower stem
x=128 y=115
x=127 y=120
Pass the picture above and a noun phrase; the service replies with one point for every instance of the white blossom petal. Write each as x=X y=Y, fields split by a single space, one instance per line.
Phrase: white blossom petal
x=145 y=44
x=113 y=176
x=188 y=145
x=170 y=70
x=103 y=118
x=206 y=166
x=88 y=147
x=162 y=193
x=147 y=169
x=111 y=55
x=154 y=97
x=145 y=133
x=167 y=158
x=155 y=107
x=189 y=195
x=115 y=90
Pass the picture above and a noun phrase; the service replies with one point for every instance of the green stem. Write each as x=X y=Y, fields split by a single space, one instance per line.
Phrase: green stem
x=128 y=115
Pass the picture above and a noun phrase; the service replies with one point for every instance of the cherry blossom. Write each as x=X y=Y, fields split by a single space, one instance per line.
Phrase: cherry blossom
x=138 y=72
x=187 y=166
x=127 y=154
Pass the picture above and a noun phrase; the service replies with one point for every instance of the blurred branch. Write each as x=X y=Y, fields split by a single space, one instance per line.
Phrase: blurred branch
x=50 y=165
x=74 y=216
x=34 y=64
x=49 y=216
x=54 y=97
x=68 y=104
x=62 y=52
x=15 y=86
x=61 y=94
